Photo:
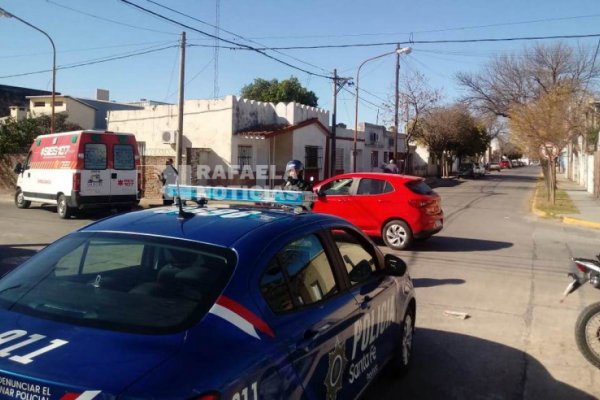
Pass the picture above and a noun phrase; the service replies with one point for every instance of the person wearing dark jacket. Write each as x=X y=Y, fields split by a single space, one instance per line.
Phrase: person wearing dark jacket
x=294 y=173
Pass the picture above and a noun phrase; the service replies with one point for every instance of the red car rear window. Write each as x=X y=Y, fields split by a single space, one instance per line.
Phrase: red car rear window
x=419 y=187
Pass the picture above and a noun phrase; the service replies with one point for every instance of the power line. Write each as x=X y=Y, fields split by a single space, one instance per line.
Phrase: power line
x=224 y=40
x=338 y=46
x=84 y=63
x=218 y=28
x=430 y=31
x=108 y=19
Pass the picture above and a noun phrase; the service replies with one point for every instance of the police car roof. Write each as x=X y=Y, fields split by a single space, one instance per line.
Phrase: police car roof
x=205 y=226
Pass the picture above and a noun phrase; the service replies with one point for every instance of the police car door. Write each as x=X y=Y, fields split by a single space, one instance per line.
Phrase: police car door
x=375 y=322
x=310 y=312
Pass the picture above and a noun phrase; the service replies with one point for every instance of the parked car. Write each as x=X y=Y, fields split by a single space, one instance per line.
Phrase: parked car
x=471 y=170
x=505 y=164
x=397 y=208
x=206 y=303
x=494 y=167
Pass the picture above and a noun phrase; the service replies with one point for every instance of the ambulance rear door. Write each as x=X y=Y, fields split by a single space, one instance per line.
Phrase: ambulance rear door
x=124 y=173
x=95 y=175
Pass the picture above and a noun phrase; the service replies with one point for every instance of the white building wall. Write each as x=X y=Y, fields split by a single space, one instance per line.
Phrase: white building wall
x=590 y=174
x=345 y=140
x=309 y=135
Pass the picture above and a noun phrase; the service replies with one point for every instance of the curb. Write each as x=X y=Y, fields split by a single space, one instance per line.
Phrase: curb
x=562 y=218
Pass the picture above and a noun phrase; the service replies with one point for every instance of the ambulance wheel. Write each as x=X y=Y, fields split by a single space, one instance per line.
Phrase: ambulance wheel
x=20 y=201
x=63 y=210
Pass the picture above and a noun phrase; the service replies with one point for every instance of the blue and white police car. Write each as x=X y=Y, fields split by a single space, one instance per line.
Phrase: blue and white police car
x=207 y=302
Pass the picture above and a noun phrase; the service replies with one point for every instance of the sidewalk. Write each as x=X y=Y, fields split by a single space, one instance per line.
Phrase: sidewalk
x=587 y=204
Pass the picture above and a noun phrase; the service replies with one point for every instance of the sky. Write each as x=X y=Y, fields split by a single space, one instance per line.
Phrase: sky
x=90 y=31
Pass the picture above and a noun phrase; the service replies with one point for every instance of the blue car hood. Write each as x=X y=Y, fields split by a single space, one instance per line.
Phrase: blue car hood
x=59 y=361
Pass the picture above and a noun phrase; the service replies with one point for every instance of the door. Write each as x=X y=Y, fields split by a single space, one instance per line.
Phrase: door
x=372 y=203
x=123 y=174
x=375 y=320
x=95 y=176
x=26 y=178
x=336 y=198
x=311 y=314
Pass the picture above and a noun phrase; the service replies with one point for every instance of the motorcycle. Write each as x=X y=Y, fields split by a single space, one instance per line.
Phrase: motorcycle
x=587 y=327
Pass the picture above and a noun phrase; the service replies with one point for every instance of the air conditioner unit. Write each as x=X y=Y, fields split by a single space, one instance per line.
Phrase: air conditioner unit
x=168 y=137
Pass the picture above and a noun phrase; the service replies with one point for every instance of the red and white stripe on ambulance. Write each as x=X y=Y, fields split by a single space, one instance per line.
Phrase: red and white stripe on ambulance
x=92 y=163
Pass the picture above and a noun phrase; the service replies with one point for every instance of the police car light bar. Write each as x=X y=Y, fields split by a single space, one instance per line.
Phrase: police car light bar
x=220 y=193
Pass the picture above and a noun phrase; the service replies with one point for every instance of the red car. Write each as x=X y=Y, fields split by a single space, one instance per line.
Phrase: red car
x=396 y=208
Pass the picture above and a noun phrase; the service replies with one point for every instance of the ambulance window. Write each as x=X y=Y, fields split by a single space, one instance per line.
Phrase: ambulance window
x=95 y=156
x=123 y=156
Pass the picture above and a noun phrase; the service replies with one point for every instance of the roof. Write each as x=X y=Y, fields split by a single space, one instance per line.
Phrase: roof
x=209 y=225
x=268 y=131
x=377 y=175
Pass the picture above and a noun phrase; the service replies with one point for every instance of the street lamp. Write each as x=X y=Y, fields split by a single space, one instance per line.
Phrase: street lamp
x=398 y=51
x=4 y=13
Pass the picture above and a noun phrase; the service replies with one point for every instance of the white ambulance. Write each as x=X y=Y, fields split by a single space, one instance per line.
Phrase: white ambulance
x=80 y=169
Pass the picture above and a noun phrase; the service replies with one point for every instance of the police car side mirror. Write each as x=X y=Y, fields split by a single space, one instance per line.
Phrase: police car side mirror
x=394 y=266
x=18 y=168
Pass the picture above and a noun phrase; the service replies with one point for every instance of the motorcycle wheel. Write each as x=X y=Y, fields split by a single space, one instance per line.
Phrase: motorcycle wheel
x=587 y=333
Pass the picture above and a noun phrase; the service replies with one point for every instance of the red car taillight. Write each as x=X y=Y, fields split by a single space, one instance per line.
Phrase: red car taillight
x=76 y=182
x=420 y=203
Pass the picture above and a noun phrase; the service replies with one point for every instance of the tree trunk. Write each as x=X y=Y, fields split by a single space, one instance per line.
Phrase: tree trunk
x=551 y=186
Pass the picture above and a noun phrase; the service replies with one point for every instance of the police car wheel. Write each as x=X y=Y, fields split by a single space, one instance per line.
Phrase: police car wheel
x=397 y=235
x=20 y=201
x=403 y=357
x=63 y=210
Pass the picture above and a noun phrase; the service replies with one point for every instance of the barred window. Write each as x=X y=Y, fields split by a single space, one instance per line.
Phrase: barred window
x=244 y=155
x=313 y=157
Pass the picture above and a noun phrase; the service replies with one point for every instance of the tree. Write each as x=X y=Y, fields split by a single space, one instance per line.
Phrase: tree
x=510 y=80
x=447 y=133
x=17 y=136
x=274 y=91
x=551 y=120
x=419 y=98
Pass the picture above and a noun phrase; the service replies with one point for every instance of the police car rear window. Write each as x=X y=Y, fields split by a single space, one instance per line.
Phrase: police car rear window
x=120 y=282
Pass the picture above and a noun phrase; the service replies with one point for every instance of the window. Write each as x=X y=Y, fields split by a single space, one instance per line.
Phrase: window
x=313 y=157
x=39 y=104
x=375 y=158
x=360 y=264
x=419 y=187
x=58 y=104
x=123 y=156
x=337 y=187
x=121 y=282
x=244 y=155
x=95 y=156
x=373 y=138
x=373 y=186
x=299 y=275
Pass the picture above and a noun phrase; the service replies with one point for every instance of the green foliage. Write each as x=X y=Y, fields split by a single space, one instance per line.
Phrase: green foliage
x=274 y=91
x=17 y=136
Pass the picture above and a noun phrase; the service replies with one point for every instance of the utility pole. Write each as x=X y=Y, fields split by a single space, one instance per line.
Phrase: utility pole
x=396 y=102
x=338 y=84
x=180 y=113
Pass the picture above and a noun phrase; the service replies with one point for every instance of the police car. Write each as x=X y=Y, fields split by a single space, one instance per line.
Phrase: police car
x=206 y=302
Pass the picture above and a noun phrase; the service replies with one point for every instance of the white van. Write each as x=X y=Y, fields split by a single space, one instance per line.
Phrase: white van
x=80 y=169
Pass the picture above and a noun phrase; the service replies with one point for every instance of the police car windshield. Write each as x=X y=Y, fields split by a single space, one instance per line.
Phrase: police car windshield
x=120 y=282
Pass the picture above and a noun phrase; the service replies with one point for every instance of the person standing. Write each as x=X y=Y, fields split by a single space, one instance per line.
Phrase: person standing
x=294 y=174
x=168 y=177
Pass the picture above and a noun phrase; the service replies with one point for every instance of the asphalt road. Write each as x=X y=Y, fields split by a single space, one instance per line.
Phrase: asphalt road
x=507 y=269
x=494 y=260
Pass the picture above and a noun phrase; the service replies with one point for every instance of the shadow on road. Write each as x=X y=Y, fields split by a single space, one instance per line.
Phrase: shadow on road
x=12 y=255
x=430 y=282
x=447 y=243
x=449 y=365
x=92 y=214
